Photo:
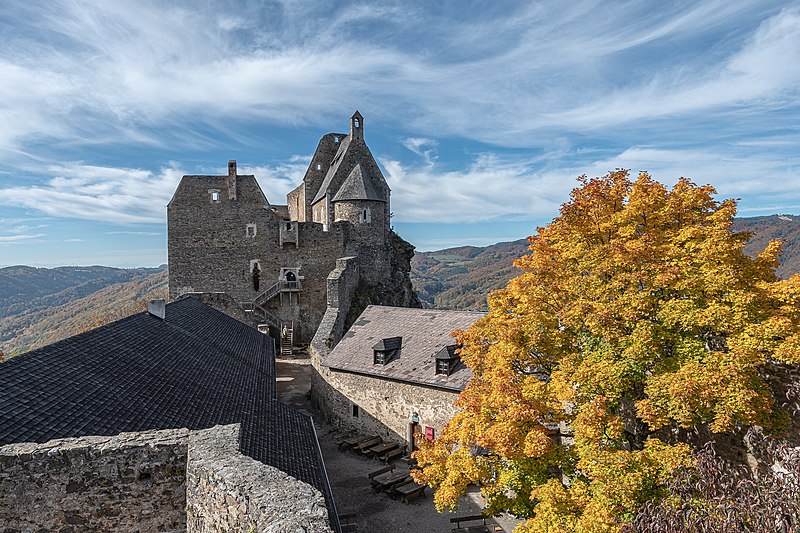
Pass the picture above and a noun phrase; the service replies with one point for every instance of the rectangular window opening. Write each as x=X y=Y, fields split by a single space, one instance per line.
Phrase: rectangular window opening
x=355 y=411
x=214 y=197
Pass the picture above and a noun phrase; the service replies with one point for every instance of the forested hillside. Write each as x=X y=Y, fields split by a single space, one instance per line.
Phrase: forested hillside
x=39 y=306
x=460 y=278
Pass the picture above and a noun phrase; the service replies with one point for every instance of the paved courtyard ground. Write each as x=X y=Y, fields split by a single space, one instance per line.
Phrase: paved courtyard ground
x=375 y=512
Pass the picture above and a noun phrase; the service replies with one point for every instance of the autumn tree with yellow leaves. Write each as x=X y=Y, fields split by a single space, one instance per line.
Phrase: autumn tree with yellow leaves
x=637 y=318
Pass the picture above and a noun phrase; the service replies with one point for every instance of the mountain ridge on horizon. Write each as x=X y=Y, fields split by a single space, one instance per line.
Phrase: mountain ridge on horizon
x=40 y=305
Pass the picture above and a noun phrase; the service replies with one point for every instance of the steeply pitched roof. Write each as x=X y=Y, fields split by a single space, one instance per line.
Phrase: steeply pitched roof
x=424 y=332
x=357 y=186
x=338 y=159
x=195 y=369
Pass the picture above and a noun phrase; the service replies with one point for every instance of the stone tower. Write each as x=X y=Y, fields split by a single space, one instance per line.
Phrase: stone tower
x=270 y=263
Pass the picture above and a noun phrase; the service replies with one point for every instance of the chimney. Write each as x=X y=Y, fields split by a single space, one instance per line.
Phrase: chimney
x=230 y=180
x=157 y=308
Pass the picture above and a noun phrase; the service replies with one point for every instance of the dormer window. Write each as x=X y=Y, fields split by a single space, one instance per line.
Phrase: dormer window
x=386 y=350
x=447 y=359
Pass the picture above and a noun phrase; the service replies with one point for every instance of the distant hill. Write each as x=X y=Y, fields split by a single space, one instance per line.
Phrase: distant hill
x=765 y=229
x=461 y=278
x=39 y=306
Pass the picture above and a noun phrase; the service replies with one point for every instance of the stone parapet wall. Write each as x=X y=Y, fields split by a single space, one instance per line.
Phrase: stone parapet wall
x=129 y=482
x=165 y=481
x=228 y=491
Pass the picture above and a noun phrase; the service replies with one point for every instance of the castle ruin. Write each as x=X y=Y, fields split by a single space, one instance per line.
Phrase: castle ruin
x=273 y=261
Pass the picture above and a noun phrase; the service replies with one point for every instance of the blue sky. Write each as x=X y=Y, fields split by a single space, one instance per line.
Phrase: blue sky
x=481 y=114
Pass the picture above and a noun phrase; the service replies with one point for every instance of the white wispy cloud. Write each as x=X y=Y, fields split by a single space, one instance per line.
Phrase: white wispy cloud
x=490 y=187
x=646 y=85
x=423 y=147
x=117 y=195
x=120 y=67
x=11 y=239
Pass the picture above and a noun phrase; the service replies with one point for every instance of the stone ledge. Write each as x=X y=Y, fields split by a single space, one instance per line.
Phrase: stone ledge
x=228 y=491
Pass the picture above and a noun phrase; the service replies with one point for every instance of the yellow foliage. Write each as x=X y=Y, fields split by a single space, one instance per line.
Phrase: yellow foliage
x=636 y=310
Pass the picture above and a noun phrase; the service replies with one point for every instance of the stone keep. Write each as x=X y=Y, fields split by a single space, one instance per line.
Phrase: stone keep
x=273 y=261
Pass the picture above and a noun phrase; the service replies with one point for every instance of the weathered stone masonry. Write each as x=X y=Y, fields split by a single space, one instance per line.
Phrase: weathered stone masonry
x=130 y=482
x=153 y=481
x=225 y=236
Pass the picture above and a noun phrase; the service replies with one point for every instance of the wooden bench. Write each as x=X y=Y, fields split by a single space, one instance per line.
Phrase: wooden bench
x=381 y=449
x=410 y=490
x=366 y=444
x=347 y=524
x=379 y=471
x=481 y=528
x=354 y=440
x=388 y=480
x=392 y=454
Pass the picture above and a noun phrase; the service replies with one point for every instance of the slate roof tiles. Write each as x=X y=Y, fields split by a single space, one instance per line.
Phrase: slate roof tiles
x=196 y=369
x=424 y=333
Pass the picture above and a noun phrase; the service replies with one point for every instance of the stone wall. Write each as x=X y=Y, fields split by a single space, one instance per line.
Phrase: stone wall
x=227 y=491
x=385 y=407
x=155 y=481
x=129 y=482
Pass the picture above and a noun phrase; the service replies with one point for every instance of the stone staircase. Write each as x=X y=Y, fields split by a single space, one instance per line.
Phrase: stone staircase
x=287 y=339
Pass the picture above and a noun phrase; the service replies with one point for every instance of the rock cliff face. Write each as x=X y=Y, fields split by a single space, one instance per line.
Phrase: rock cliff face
x=395 y=290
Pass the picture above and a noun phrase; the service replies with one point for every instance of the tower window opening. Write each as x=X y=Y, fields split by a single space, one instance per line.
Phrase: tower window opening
x=214 y=197
x=356 y=123
x=319 y=166
x=364 y=216
x=336 y=139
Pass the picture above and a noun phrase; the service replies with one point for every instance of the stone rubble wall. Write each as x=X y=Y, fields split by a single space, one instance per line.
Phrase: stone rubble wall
x=165 y=481
x=228 y=491
x=128 y=482
x=385 y=407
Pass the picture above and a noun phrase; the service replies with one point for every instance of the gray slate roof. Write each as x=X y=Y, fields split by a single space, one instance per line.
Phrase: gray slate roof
x=357 y=186
x=424 y=331
x=338 y=159
x=196 y=369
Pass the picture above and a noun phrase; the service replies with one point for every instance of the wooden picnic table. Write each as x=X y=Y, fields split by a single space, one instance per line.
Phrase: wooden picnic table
x=410 y=490
x=389 y=479
x=392 y=454
x=472 y=529
x=365 y=444
x=382 y=448
x=352 y=441
x=482 y=528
